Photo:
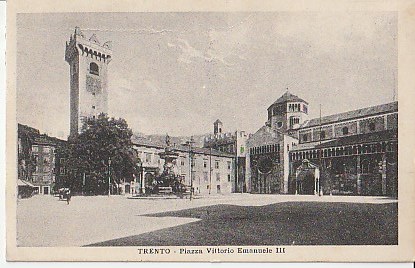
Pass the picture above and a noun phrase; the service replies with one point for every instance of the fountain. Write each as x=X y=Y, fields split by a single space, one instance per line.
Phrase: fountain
x=169 y=181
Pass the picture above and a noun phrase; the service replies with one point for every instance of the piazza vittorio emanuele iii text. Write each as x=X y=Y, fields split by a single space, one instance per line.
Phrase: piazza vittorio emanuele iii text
x=348 y=153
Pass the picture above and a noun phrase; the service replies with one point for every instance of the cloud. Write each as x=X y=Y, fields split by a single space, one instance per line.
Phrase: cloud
x=130 y=30
x=190 y=54
x=225 y=45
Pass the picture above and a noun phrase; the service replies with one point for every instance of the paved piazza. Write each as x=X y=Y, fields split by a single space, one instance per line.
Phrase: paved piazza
x=45 y=221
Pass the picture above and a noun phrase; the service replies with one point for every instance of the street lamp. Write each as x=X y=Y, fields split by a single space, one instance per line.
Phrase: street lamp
x=140 y=176
x=109 y=176
x=190 y=144
x=210 y=169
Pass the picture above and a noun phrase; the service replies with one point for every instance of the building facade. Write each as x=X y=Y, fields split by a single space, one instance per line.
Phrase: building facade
x=267 y=163
x=352 y=153
x=232 y=143
x=212 y=171
x=88 y=60
x=356 y=152
x=37 y=159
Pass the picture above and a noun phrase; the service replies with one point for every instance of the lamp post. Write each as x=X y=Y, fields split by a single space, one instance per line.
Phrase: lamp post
x=109 y=176
x=190 y=144
x=140 y=177
x=210 y=168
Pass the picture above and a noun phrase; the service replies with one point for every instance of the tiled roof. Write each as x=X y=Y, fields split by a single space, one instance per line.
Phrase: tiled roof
x=147 y=142
x=308 y=145
x=385 y=135
x=142 y=141
x=36 y=137
x=288 y=97
x=379 y=109
x=27 y=129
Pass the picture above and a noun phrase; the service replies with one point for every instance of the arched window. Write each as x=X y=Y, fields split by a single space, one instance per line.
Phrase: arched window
x=345 y=130
x=365 y=167
x=305 y=137
x=305 y=109
x=93 y=68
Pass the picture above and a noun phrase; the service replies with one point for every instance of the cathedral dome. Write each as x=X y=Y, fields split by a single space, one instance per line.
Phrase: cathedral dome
x=288 y=97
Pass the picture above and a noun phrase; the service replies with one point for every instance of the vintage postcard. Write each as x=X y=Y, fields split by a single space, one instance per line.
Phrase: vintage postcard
x=208 y=131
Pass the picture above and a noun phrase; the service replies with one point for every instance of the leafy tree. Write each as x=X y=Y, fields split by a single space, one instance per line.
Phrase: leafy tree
x=102 y=141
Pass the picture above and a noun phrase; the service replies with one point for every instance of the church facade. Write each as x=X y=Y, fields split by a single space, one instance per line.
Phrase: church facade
x=351 y=153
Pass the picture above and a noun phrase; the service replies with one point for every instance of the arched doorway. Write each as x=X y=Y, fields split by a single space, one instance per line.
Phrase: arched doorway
x=265 y=166
x=307 y=178
x=306 y=182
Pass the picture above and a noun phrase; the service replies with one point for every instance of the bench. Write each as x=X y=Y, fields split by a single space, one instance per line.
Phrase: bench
x=186 y=192
x=165 y=190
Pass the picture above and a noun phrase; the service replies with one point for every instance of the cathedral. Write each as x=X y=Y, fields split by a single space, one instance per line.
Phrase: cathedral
x=350 y=153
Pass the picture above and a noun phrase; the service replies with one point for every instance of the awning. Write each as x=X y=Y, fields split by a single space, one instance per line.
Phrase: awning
x=24 y=183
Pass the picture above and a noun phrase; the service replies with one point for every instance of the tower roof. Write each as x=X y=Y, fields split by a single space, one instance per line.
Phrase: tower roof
x=288 y=97
x=217 y=121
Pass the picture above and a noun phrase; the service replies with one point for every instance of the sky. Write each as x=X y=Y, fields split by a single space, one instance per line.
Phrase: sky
x=177 y=73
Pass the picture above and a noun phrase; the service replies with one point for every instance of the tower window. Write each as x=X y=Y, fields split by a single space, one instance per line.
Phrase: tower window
x=93 y=107
x=305 y=109
x=345 y=130
x=372 y=126
x=93 y=68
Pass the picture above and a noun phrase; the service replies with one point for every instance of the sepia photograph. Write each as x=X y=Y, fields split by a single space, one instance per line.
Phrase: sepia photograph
x=246 y=133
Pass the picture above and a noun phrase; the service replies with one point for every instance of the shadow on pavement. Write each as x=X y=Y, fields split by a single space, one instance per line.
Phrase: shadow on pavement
x=290 y=223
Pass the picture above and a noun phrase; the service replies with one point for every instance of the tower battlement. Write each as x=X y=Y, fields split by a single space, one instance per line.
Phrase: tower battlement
x=88 y=47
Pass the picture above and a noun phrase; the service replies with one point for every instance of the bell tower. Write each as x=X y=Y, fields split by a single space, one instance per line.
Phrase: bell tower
x=287 y=113
x=217 y=127
x=88 y=61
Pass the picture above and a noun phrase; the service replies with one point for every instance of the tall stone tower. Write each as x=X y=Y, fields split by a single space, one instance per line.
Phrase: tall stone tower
x=217 y=127
x=88 y=61
x=288 y=112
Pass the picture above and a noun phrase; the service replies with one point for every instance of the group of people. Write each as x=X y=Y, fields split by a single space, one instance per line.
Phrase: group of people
x=65 y=193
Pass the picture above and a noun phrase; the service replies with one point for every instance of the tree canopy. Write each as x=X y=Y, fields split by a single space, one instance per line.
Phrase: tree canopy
x=103 y=149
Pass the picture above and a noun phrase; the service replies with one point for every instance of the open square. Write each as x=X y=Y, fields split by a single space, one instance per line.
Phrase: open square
x=237 y=219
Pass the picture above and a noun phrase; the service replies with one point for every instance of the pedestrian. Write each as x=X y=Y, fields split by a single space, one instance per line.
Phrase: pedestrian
x=68 y=196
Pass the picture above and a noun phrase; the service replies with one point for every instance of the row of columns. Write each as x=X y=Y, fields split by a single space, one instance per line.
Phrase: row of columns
x=358 y=175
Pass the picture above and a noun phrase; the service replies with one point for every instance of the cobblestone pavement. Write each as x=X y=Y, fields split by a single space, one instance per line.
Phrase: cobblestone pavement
x=45 y=221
